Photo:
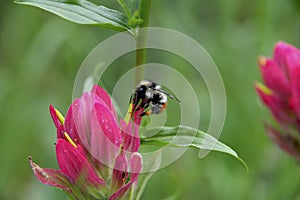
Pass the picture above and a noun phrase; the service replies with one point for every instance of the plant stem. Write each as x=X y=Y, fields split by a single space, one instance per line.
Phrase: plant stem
x=141 y=41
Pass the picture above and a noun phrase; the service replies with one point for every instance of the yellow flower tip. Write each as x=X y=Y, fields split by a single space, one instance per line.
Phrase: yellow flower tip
x=121 y=149
x=129 y=113
x=70 y=140
x=264 y=88
x=60 y=117
x=262 y=61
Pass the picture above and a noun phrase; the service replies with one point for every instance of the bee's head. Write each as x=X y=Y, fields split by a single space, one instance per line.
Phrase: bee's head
x=149 y=84
x=142 y=89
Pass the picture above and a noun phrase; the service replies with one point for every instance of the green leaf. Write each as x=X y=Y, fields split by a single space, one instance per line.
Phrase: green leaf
x=82 y=12
x=183 y=136
x=134 y=6
x=125 y=8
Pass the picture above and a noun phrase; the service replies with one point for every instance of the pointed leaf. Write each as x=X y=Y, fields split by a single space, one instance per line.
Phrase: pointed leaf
x=183 y=136
x=82 y=12
x=50 y=176
x=134 y=6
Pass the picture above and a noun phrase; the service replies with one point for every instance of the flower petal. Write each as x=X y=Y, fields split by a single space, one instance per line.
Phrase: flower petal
x=120 y=173
x=50 y=177
x=59 y=127
x=105 y=135
x=103 y=95
x=81 y=110
x=135 y=168
x=278 y=108
x=274 y=77
x=287 y=56
x=285 y=141
x=137 y=116
x=108 y=124
x=295 y=80
x=131 y=140
x=95 y=130
x=69 y=125
x=74 y=165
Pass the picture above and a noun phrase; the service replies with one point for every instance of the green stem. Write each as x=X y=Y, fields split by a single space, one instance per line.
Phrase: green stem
x=141 y=41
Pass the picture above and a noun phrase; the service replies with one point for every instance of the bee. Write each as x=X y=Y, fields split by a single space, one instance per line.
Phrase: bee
x=150 y=97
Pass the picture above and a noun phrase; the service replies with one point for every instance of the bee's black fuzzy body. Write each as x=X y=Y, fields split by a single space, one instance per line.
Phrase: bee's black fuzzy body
x=150 y=97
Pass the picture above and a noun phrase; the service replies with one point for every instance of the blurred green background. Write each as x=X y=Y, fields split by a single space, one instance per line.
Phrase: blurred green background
x=40 y=54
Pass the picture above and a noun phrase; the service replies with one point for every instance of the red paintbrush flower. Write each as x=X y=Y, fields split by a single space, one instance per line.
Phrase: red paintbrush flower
x=281 y=94
x=97 y=158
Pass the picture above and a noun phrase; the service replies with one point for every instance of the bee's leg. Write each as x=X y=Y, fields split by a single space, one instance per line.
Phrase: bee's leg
x=137 y=108
x=143 y=105
x=146 y=106
x=131 y=101
x=164 y=105
x=147 y=113
x=131 y=97
x=136 y=103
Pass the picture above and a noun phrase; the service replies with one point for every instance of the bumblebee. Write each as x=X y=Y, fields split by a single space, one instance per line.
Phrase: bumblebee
x=150 y=97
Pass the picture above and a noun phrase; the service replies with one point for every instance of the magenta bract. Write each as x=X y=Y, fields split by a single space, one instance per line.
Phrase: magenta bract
x=281 y=95
x=96 y=156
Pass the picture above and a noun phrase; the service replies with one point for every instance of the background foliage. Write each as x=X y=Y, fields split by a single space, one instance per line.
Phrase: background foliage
x=41 y=53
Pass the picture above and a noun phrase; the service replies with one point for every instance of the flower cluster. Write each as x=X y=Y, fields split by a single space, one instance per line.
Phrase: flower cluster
x=97 y=157
x=281 y=94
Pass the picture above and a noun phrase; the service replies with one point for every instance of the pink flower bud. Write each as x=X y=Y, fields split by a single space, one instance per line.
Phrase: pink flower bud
x=281 y=95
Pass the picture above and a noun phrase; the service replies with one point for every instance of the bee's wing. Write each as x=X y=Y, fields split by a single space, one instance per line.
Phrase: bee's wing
x=169 y=95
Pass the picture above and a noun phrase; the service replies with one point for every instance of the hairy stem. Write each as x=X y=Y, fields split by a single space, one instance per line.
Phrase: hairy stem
x=141 y=41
